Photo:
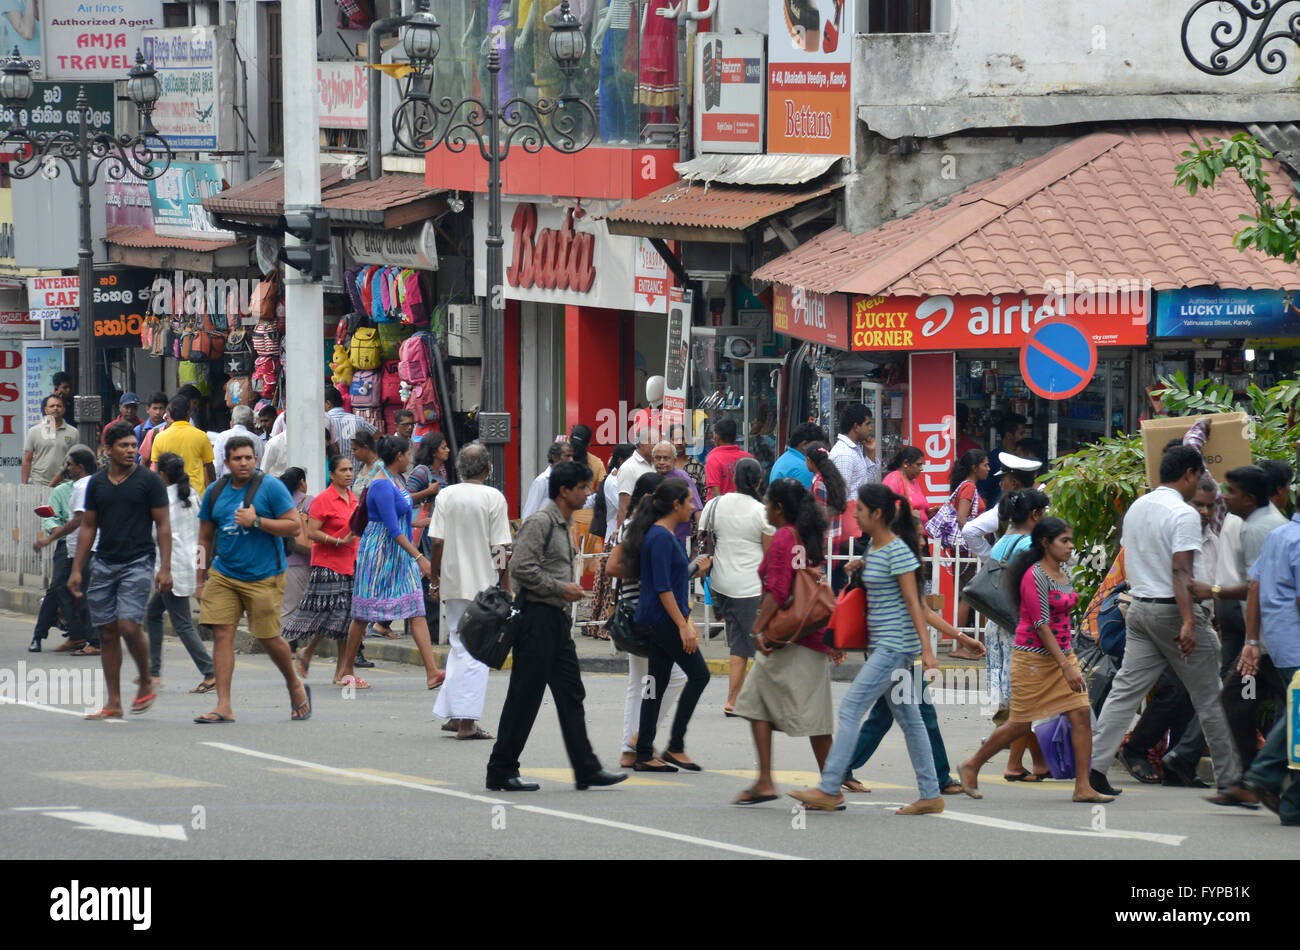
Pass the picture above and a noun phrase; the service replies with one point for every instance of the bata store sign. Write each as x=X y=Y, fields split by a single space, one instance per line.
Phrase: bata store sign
x=999 y=321
x=818 y=318
x=554 y=256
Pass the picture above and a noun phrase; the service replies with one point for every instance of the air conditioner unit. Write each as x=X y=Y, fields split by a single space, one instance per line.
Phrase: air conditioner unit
x=467 y=386
x=464 y=331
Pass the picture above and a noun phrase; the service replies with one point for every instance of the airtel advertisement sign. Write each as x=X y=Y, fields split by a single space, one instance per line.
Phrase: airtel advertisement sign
x=818 y=318
x=992 y=322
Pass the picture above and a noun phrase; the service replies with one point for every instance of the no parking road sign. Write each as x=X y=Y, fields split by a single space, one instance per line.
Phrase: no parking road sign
x=1058 y=360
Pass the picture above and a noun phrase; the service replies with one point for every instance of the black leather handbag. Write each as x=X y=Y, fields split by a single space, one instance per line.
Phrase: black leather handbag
x=623 y=629
x=487 y=628
x=986 y=594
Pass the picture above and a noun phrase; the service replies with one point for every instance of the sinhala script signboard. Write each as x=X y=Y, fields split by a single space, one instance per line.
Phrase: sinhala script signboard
x=196 y=69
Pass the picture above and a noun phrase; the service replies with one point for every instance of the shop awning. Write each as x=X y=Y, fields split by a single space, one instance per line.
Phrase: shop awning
x=755 y=170
x=1102 y=208
x=141 y=247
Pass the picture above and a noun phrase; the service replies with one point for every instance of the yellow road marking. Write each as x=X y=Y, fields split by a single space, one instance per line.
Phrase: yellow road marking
x=566 y=775
x=794 y=777
x=127 y=779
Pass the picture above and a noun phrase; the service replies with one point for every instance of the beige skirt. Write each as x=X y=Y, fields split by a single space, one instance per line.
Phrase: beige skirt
x=1039 y=689
x=791 y=689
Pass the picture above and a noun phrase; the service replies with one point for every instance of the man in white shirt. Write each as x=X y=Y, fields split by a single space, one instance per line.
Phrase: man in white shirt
x=1162 y=541
x=241 y=422
x=470 y=532
x=638 y=464
x=539 y=491
x=1017 y=474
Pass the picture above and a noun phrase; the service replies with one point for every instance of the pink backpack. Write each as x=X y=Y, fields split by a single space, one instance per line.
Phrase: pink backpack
x=266 y=373
x=365 y=389
x=390 y=383
x=423 y=401
x=414 y=310
x=413 y=360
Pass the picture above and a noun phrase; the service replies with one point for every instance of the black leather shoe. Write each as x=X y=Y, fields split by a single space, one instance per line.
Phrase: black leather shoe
x=515 y=784
x=1178 y=776
x=362 y=663
x=603 y=777
x=1100 y=783
x=34 y=646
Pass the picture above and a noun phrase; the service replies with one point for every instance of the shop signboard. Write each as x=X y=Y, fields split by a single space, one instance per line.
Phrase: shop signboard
x=196 y=68
x=554 y=255
x=53 y=293
x=12 y=411
x=809 y=87
x=59 y=324
x=651 y=278
x=729 y=93
x=120 y=299
x=126 y=203
x=1219 y=312
x=176 y=199
x=344 y=89
x=818 y=318
x=51 y=108
x=86 y=41
x=933 y=420
x=41 y=360
x=678 y=357
x=989 y=322
x=414 y=247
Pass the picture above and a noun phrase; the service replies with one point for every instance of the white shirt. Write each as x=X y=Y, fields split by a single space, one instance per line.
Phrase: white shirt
x=539 y=493
x=611 y=506
x=1158 y=526
x=77 y=505
x=630 y=471
x=1226 y=573
x=471 y=520
x=976 y=533
x=1207 y=565
x=219 y=447
x=739 y=523
x=853 y=464
x=275 y=460
x=185 y=541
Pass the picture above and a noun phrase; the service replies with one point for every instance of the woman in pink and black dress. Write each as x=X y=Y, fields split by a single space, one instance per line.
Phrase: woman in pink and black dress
x=1045 y=676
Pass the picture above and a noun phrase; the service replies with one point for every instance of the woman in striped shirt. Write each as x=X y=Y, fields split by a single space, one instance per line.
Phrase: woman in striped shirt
x=1045 y=676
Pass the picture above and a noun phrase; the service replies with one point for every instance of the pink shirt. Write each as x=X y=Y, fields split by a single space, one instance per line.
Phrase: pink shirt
x=915 y=497
x=777 y=574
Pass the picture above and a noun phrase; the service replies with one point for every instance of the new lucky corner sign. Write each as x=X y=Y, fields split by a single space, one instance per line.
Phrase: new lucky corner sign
x=972 y=323
x=809 y=93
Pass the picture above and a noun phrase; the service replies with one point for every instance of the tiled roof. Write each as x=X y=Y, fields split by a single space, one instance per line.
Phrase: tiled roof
x=346 y=192
x=1104 y=207
x=719 y=207
x=141 y=237
x=263 y=195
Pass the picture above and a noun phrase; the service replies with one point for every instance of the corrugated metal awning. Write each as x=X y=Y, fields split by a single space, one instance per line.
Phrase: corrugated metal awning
x=755 y=170
x=717 y=213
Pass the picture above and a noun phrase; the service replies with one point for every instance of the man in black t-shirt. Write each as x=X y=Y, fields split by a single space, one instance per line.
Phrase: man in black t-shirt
x=126 y=501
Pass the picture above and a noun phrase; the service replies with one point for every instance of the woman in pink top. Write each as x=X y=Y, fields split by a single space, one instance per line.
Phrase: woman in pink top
x=904 y=472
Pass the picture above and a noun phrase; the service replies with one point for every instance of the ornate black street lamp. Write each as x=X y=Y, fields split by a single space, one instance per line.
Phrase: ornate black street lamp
x=1244 y=32
x=84 y=154
x=421 y=124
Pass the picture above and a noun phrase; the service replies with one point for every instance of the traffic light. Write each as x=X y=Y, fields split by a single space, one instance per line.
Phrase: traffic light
x=312 y=256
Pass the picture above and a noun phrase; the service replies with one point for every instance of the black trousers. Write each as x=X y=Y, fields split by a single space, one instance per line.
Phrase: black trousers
x=665 y=650
x=1232 y=632
x=544 y=656
x=59 y=598
x=1241 y=706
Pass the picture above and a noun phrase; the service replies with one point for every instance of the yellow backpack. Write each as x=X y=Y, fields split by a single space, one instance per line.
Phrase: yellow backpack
x=365 y=348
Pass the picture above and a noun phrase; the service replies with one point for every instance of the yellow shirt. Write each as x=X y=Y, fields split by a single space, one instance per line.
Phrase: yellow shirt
x=597 y=470
x=190 y=444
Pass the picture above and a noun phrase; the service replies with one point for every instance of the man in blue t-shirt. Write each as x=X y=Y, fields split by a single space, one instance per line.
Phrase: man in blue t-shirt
x=247 y=572
x=793 y=463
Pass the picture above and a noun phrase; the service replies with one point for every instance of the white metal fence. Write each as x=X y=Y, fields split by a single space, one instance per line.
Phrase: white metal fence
x=20 y=526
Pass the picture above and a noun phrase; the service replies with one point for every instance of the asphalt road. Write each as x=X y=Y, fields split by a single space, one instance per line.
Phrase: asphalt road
x=372 y=776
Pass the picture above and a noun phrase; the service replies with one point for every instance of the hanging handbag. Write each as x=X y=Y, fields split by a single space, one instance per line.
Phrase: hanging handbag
x=487 y=628
x=848 y=627
x=708 y=540
x=943 y=527
x=986 y=594
x=623 y=629
x=808 y=609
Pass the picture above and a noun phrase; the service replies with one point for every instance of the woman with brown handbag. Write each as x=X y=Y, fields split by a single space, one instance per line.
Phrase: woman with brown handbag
x=789 y=689
x=896 y=622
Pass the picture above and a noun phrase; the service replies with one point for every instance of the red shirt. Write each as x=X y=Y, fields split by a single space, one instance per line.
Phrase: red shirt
x=334 y=514
x=720 y=467
x=777 y=574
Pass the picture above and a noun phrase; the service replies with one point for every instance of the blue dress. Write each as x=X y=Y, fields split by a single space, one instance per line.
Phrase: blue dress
x=387 y=579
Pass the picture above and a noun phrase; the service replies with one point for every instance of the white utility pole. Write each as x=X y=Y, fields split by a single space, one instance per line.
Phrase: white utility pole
x=304 y=368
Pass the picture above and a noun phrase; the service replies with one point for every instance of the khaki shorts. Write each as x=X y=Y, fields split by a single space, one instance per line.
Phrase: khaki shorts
x=225 y=600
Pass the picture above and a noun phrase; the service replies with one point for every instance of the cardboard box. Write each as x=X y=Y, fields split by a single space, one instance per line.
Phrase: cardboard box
x=1227 y=447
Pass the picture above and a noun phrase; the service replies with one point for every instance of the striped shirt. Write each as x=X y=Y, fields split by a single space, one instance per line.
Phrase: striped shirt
x=888 y=621
x=343 y=426
x=857 y=469
x=620 y=15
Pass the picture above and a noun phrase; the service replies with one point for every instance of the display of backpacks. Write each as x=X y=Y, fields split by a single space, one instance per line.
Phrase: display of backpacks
x=414 y=310
x=265 y=296
x=390 y=383
x=347 y=326
x=414 y=365
x=364 y=350
x=207 y=341
x=373 y=416
x=266 y=375
x=350 y=285
x=238 y=359
x=239 y=392
x=266 y=339
x=365 y=389
x=381 y=296
x=391 y=338
x=365 y=284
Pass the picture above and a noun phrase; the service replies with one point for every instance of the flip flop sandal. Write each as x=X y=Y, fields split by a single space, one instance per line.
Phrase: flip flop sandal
x=1142 y=770
x=953 y=789
x=477 y=734
x=438 y=682
x=104 y=714
x=218 y=721
x=143 y=703
x=69 y=646
x=853 y=785
x=86 y=651
x=1019 y=777
x=355 y=682
x=305 y=704
x=751 y=797
x=205 y=687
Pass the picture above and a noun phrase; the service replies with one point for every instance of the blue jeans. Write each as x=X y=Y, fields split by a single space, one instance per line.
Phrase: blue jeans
x=1269 y=769
x=887 y=676
x=878 y=723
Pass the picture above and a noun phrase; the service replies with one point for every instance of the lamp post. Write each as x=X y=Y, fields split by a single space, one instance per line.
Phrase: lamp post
x=421 y=124
x=1245 y=30
x=84 y=154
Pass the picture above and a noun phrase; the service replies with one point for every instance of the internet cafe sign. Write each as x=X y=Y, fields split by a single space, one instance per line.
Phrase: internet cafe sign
x=553 y=255
x=408 y=247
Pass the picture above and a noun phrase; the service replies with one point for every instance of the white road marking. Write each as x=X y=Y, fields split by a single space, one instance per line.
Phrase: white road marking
x=469 y=796
x=54 y=709
x=46 y=808
x=117 y=824
x=1005 y=824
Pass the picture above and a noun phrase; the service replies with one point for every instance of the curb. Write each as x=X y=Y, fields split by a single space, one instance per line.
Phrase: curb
x=26 y=601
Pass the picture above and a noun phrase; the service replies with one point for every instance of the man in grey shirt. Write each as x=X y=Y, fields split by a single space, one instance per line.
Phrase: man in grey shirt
x=541 y=572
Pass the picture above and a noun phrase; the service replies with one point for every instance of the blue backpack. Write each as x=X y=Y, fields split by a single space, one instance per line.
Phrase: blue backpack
x=1111 y=629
